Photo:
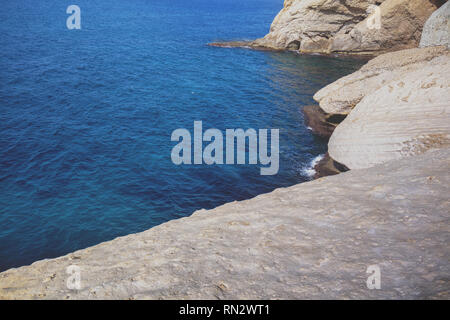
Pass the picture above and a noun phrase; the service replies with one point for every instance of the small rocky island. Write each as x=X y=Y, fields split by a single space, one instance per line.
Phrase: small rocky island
x=388 y=126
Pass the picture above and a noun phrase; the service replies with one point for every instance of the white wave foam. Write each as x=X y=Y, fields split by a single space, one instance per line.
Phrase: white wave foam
x=309 y=169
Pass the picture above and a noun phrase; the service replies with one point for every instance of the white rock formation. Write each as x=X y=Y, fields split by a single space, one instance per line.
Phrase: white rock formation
x=309 y=25
x=341 y=96
x=348 y=26
x=406 y=116
x=394 y=25
x=312 y=240
x=437 y=28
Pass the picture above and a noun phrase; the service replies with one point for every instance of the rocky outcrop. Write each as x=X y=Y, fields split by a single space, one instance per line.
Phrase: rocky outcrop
x=394 y=25
x=437 y=28
x=309 y=241
x=343 y=95
x=405 y=115
x=345 y=26
x=308 y=25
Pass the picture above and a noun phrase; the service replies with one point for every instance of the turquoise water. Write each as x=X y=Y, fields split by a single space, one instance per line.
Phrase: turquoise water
x=86 y=115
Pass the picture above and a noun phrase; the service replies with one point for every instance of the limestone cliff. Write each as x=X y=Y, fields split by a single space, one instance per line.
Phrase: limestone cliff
x=308 y=25
x=346 y=26
x=398 y=104
x=341 y=96
x=405 y=116
x=399 y=26
x=437 y=28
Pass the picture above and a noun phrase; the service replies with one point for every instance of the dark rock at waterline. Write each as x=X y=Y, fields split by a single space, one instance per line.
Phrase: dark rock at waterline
x=243 y=44
x=231 y=44
x=323 y=125
x=320 y=122
x=328 y=167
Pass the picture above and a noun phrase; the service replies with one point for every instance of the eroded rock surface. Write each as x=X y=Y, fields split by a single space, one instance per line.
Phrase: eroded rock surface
x=406 y=116
x=308 y=25
x=341 y=96
x=394 y=25
x=436 y=31
x=345 y=26
x=312 y=240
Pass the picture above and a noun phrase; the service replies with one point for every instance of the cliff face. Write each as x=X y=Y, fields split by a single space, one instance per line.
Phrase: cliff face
x=403 y=117
x=341 y=96
x=313 y=240
x=437 y=29
x=348 y=26
x=399 y=27
x=309 y=25
x=398 y=104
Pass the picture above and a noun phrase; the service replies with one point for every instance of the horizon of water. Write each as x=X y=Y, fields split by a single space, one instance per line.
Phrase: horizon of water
x=86 y=115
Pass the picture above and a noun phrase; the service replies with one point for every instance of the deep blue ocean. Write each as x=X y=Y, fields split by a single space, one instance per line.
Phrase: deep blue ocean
x=86 y=115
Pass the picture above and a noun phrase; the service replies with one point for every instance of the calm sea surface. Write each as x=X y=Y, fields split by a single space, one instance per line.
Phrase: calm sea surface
x=86 y=115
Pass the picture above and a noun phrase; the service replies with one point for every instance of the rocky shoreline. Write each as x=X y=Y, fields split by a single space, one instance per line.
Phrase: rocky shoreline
x=364 y=27
x=394 y=106
x=395 y=76
x=388 y=123
x=397 y=105
x=314 y=240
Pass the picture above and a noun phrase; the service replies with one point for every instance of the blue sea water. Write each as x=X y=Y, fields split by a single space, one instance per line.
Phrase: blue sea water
x=86 y=115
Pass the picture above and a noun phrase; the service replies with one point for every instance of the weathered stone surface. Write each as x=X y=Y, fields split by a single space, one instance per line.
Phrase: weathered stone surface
x=399 y=27
x=436 y=31
x=345 y=26
x=308 y=25
x=341 y=96
x=406 y=116
x=312 y=240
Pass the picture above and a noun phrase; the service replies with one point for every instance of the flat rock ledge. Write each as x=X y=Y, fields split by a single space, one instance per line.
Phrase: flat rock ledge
x=255 y=45
x=241 y=44
x=309 y=241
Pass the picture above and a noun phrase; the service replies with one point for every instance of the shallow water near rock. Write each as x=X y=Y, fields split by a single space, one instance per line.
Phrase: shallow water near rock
x=86 y=115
